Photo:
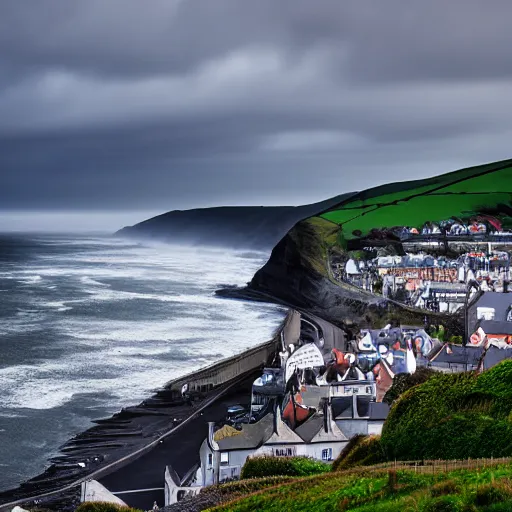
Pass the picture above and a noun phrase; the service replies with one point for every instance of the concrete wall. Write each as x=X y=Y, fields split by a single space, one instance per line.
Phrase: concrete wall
x=229 y=369
x=291 y=330
x=232 y=367
x=91 y=490
x=375 y=427
x=237 y=458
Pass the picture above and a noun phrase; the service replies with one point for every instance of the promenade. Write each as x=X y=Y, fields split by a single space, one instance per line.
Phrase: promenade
x=180 y=449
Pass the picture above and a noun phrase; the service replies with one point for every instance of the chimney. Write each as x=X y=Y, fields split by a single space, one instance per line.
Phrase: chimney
x=327 y=416
x=211 y=441
x=276 y=411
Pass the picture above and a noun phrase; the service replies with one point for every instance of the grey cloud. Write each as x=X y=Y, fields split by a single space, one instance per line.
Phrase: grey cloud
x=177 y=103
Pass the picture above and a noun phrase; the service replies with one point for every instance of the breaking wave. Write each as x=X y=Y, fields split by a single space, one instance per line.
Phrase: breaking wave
x=91 y=325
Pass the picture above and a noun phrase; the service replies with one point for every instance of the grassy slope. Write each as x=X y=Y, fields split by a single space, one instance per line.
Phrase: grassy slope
x=365 y=492
x=315 y=238
x=453 y=416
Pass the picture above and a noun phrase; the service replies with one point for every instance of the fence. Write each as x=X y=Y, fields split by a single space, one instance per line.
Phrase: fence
x=439 y=466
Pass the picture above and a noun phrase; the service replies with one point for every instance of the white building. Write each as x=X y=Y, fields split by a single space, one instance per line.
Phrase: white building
x=318 y=437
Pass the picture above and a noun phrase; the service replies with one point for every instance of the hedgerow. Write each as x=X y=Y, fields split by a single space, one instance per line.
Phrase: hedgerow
x=265 y=466
x=361 y=450
x=404 y=381
x=453 y=416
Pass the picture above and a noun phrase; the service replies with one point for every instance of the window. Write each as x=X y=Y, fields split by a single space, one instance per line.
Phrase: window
x=363 y=406
x=485 y=313
x=285 y=452
x=258 y=399
x=327 y=454
x=267 y=379
x=224 y=458
x=210 y=459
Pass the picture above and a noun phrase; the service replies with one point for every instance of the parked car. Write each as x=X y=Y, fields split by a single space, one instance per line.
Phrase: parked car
x=238 y=421
x=235 y=411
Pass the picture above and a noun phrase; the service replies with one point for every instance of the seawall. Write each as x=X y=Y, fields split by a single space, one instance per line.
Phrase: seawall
x=135 y=431
x=232 y=367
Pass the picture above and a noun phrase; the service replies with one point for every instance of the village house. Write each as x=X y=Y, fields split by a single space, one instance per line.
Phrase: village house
x=492 y=313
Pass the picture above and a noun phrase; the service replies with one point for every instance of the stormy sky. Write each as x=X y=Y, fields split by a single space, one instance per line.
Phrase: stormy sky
x=146 y=106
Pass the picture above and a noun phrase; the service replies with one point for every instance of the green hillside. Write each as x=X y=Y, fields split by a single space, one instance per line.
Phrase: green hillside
x=383 y=491
x=453 y=416
x=464 y=193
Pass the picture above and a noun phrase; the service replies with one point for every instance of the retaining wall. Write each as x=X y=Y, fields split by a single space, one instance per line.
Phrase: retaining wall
x=227 y=371
x=232 y=367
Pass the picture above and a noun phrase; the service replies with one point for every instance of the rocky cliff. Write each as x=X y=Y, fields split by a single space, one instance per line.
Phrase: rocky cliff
x=251 y=227
x=297 y=273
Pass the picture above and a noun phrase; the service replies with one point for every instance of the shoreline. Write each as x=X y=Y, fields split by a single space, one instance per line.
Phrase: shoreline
x=135 y=430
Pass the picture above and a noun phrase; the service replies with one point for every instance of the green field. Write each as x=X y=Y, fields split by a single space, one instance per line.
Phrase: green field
x=464 y=193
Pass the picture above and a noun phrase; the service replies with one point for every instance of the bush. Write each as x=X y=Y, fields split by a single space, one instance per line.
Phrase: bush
x=505 y=506
x=445 y=504
x=445 y=487
x=361 y=450
x=404 y=381
x=103 y=506
x=468 y=412
x=493 y=493
x=265 y=466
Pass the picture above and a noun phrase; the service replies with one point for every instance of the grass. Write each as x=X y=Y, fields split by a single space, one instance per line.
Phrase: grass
x=100 y=506
x=361 y=450
x=314 y=237
x=384 y=491
x=453 y=416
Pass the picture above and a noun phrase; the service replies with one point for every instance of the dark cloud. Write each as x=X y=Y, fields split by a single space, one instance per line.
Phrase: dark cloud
x=181 y=103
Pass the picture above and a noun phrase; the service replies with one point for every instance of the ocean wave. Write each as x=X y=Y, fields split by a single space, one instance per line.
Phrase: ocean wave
x=89 y=281
x=100 y=326
x=58 y=306
x=30 y=279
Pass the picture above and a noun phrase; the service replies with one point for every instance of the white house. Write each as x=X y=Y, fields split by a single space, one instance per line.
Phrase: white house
x=318 y=437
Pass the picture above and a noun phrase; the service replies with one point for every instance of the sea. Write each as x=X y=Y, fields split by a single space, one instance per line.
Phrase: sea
x=91 y=324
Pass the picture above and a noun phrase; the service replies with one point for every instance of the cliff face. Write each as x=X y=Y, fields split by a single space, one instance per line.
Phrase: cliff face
x=252 y=227
x=297 y=273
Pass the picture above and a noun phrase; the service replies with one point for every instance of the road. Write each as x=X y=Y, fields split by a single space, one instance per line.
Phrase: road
x=334 y=337
x=180 y=449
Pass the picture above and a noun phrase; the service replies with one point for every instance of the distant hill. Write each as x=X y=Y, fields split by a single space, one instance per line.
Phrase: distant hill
x=247 y=227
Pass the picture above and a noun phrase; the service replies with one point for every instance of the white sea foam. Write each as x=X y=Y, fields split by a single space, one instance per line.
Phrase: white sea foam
x=126 y=359
x=88 y=280
x=30 y=279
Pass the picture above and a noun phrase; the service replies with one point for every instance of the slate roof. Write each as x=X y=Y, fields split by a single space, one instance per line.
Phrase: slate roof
x=495 y=355
x=252 y=435
x=497 y=300
x=308 y=430
x=379 y=410
x=496 y=327
x=460 y=355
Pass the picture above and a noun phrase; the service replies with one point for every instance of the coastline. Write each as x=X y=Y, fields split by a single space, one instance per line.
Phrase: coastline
x=134 y=431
